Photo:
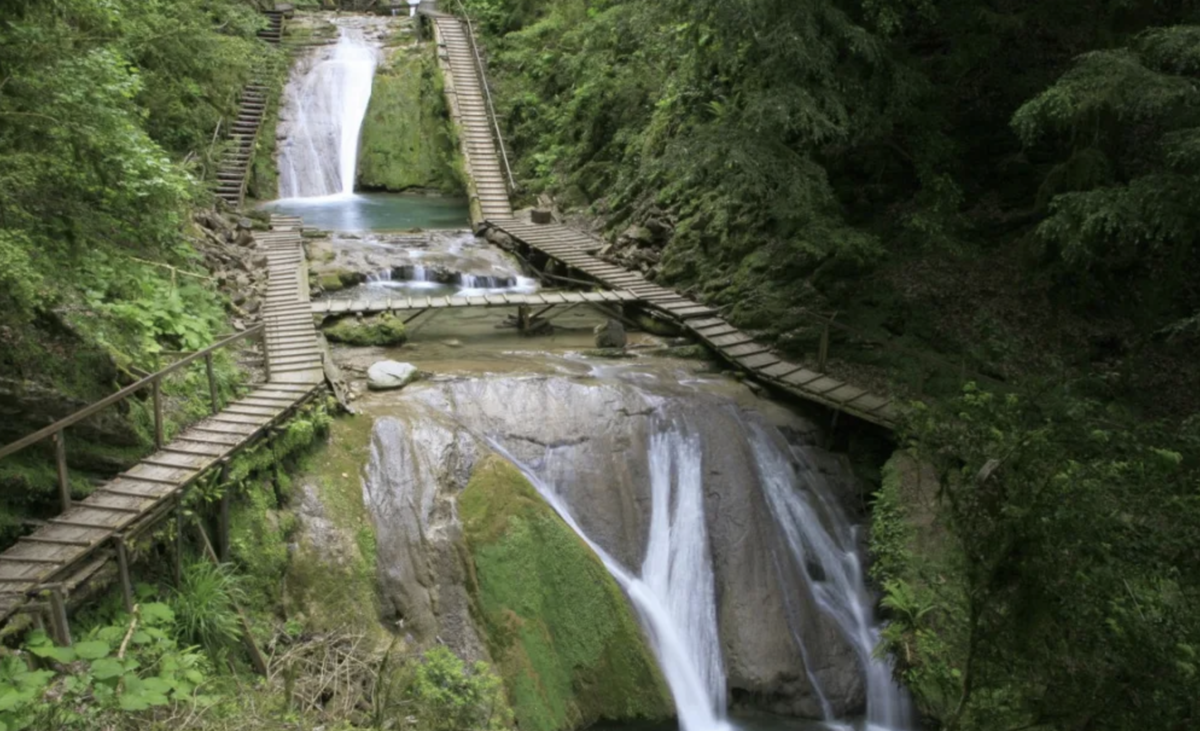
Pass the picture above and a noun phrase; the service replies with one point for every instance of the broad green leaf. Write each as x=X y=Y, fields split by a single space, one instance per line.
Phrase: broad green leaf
x=93 y=650
x=106 y=668
x=59 y=654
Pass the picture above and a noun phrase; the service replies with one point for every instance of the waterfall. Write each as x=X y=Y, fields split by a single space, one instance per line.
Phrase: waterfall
x=819 y=534
x=674 y=597
x=328 y=103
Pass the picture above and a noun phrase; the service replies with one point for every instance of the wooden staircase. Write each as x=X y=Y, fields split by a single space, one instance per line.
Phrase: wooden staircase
x=273 y=33
x=235 y=165
x=469 y=105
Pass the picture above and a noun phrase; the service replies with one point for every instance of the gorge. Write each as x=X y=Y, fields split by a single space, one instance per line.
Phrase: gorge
x=551 y=365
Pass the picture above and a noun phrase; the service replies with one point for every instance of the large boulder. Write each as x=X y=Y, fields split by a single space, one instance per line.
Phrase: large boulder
x=382 y=331
x=611 y=334
x=388 y=375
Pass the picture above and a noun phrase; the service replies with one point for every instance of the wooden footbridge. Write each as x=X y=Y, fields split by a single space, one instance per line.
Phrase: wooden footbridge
x=40 y=571
x=492 y=184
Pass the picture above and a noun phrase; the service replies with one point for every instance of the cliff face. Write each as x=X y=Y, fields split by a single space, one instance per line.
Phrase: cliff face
x=591 y=440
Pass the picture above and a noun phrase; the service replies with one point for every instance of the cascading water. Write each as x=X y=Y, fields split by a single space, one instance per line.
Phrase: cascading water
x=669 y=596
x=327 y=104
x=675 y=596
x=818 y=533
x=726 y=535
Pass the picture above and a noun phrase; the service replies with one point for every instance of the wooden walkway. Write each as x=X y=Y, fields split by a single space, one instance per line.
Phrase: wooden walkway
x=399 y=304
x=468 y=108
x=74 y=545
x=575 y=250
x=234 y=169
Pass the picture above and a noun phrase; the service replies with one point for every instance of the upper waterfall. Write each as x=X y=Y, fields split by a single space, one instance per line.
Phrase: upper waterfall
x=326 y=101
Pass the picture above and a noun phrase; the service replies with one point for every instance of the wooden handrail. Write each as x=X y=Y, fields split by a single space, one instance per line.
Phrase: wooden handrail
x=151 y=380
x=487 y=95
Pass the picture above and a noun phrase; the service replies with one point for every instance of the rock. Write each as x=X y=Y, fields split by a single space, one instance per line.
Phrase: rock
x=579 y=655
x=259 y=261
x=388 y=375
x=638 y=234
x=541 y=215
x=610 y=335
x=382 y=331
x=330 y=282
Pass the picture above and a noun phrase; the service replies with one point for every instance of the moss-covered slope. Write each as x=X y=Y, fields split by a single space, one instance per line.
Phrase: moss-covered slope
x=407 y=141
x=559 y=629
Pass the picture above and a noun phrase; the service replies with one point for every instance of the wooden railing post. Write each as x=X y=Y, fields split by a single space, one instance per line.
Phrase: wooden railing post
x=123 y=569
x=60 y=626
x=156 y=385
x=266 y=354
x=823 y=349
x=60 y=463
x=212 y=383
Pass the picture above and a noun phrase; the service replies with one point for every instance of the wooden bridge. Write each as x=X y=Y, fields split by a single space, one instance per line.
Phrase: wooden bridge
x=492 y=183
x=40 y=571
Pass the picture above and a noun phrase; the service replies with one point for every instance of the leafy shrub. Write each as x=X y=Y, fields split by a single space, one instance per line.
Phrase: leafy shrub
x=452 y=697
x=130 y=666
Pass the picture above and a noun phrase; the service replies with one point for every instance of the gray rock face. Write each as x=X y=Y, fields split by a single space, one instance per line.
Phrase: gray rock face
x=610 y=335
x=590 y=440
x=388 y=375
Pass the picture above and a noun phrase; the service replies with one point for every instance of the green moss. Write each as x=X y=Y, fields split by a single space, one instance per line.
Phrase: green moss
x=330 y=282
x=655 y=326
x=558 y=627
x=333 y=585
x=406 y=138
x=384 y=330
x=698 y=352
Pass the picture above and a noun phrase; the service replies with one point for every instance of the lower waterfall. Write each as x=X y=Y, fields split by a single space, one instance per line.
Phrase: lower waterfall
x=722 y=527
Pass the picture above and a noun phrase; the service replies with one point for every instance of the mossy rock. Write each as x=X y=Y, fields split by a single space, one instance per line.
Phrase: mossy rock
x=655 y=326
x=407 y=142
x=330 y=282
x=561 y=633
x=384 y=330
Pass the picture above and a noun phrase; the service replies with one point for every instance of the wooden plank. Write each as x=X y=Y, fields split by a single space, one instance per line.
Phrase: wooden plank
x=845 y=393
x=781 y=369
x=693 y=312
x=716 y=331
x=801 y=378
x=552 y=298
x=724 y=341
x=822 y=385
x=711 y=322
x=761 y=360
x=741 y=351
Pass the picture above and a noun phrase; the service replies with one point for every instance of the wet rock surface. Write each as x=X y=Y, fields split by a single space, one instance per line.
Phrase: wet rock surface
x=589 y=437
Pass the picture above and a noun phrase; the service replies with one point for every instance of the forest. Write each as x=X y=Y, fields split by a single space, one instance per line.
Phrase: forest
x=997 y=200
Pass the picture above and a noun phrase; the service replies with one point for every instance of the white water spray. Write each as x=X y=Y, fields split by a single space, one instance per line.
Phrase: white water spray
x=328 y=104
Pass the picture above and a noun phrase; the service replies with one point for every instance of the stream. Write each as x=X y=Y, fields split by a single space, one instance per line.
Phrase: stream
x=729 y=530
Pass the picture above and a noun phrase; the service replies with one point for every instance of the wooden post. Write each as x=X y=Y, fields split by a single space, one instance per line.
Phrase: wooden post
x=523 y=318
x=59 y=626
x=266 y=355
x=123 y=567
x=823 y=350
x=223 y=525
x=60 y=462
x=158 y=414
x=212 y=383
x=179 y=541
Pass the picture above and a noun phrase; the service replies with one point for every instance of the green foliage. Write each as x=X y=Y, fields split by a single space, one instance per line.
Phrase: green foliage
x=114 y=670
x=384 y=330
x=453 y=697
x=560 y=631
x=205 y=606
x=1062 y=591
x=1122 y=205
